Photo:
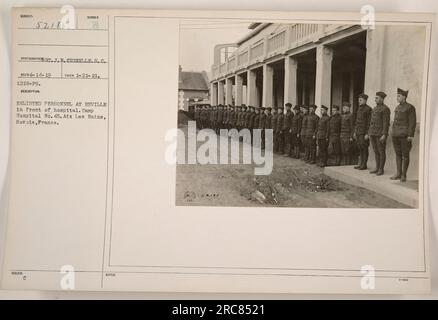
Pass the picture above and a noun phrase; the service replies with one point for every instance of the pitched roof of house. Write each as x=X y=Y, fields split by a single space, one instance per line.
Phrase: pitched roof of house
x=193 y=81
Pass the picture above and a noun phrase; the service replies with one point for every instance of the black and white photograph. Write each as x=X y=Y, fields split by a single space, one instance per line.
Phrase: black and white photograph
x=330 y=114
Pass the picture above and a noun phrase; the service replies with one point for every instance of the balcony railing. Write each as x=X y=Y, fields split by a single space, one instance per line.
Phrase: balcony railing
x=289 y=37
x=300 y=33
x=223 y=68
x=242 y=58
x=276 y=42
x=257 y=50
x=231 y=63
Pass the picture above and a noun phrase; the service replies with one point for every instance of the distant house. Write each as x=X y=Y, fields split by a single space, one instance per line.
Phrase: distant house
x=192 y=87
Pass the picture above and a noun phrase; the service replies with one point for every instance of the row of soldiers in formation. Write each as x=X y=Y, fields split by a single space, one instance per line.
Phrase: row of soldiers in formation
x=301 y=129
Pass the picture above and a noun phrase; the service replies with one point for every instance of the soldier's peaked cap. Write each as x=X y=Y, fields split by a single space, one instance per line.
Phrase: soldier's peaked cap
x=402 y=92
x=346 y=103
x=363 y=96
x=335 y=106
x=314 y=106
x=324 y=107
x=288 y=104
x=381 y=94
x=297 y=107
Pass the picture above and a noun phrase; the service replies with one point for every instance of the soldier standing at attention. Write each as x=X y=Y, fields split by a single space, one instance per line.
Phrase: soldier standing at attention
x=231 y=118
x=294 y=132
x=287 y=121
x=322 y=136
x=334 y=133
x=219 y=118
x=227 y=116
x=311 y=130
x=196 y=116
x=201 y=117
x=247 y=115
x=274 y=116
x=235 y=114
x=363 y=118
x=347 y=127
x=251 y=120
x=403 y=131
x=256 y=122
x=242 y=117
x=378 y=132
x=238 y=117
x=280 y=137
x=262 y=124
x=213 y=118
x=268 y=123
x=303 y=138
x=209 y=112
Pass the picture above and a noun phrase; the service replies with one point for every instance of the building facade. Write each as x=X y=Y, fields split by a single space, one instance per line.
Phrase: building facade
x=322 y=64
x=192 y=88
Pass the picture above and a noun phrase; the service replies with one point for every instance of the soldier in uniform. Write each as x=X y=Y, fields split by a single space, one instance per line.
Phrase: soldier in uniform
x=237 y=117
x=362 y=124
x=213 y=118
x=378 y=132
x=242 y=117
x=246 y=119
x=196 y=116
x=227 y=116
x=207 y=120
x=268 y=123
x=334 y=134
x=256 y=122
x=231 y=118
x=287 y=120
x=262 y=123
x=347 y=127
x=294 y=133
x=274 y=116
x=403 y=131
x=311 y=130
x=251 y=122
x=219 y=119
x=201 y=117
x=280 y=137
x=322 y=136
x=303 y=138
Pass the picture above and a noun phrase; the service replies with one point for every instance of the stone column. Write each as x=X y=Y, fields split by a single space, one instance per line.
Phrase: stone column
x=324 y=57
x=228 y=91
x=290 y=80
x=252 y=90
x=213 y=94
x=268 y=82
x=220 y=92
x=239 y=90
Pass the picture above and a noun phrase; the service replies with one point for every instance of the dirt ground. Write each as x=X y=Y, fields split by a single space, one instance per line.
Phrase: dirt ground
x=292 y=183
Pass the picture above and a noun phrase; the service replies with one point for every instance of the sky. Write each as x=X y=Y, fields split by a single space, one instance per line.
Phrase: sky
x=198 y=38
